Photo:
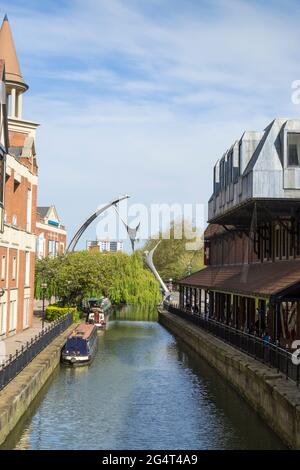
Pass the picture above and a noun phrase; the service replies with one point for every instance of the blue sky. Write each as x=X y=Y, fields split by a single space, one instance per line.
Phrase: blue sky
x=143 y=96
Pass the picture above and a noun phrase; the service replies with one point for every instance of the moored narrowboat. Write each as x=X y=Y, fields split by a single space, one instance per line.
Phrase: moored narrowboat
x=81 y=346
x=98 y=312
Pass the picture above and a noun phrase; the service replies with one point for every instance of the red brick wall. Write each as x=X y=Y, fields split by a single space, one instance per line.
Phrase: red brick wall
x=15 y=203
x=52 y=235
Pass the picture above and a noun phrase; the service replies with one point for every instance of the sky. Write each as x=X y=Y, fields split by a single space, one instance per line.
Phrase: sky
x=143 y=96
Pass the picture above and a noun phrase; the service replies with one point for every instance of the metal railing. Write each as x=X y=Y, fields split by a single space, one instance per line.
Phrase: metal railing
x=10 y=368
x=266 y=352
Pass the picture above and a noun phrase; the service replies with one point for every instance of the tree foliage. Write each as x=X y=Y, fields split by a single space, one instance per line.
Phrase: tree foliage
x=172 y=259
x=76 y=276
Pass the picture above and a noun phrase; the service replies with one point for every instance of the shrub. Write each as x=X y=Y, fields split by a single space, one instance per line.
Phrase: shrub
x=53 y=312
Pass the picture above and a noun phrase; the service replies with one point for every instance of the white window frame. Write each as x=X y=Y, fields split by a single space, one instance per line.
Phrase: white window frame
x=29 y=210
x=3 y=268
x=26 y=312
x=12 y=315
x=27 y=269
x=3 y=318
x=14 y=268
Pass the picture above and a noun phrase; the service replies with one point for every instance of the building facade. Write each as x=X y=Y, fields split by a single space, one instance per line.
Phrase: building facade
x=252 y=243
x=51 y=236
x=105 y=245
x=18 y=192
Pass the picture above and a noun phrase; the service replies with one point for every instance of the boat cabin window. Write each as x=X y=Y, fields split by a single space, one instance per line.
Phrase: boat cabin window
x=293 y=149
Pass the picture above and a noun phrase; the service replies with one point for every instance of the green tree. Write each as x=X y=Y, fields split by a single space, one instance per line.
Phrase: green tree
x=172 y=259
x=79 y=275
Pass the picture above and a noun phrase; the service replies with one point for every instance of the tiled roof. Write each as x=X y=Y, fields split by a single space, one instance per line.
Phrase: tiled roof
x=9 y=54
x=43 y=211
x=264 y=279
x=216 y=229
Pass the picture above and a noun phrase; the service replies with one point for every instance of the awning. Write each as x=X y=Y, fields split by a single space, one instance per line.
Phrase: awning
x=258 y=279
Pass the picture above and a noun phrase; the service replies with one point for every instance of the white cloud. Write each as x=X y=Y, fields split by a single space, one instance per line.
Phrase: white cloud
x=141 y=103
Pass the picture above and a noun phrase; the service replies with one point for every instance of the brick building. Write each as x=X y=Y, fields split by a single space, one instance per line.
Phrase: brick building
x=51 y=234
x=18 y=192
x=252 y=244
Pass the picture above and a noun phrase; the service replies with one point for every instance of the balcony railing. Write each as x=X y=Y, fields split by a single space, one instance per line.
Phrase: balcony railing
x=16 y=363
x=266 y=352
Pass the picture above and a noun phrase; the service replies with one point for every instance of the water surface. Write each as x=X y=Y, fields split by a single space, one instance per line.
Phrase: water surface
x=144 y=390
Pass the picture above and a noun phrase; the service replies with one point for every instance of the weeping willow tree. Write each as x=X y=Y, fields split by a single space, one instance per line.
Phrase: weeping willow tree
x=76 y=276
x=46 y=271
x=179 y=252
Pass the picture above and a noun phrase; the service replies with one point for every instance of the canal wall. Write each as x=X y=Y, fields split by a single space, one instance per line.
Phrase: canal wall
x=16 y=397
x=274 y=398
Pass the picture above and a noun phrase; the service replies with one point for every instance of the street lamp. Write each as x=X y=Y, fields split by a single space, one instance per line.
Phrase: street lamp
x=44 y=286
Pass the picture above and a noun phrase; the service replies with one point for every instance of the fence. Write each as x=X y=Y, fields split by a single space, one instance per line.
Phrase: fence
x=265 y=352
x=15 y=363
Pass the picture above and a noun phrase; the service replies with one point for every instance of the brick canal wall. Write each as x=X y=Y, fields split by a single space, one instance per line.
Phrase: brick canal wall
x=16 y=397
x=274 y=398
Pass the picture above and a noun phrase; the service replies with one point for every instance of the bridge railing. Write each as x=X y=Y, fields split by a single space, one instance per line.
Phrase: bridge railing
x=268 y=353
x=10 y=368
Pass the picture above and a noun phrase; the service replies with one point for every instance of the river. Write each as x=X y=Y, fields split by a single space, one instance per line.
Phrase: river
x=144 y=390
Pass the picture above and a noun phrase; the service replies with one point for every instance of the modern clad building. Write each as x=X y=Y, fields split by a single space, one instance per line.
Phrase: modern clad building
x=252 y=243
x=51 y=234
x=18 y=192
x=105 y=245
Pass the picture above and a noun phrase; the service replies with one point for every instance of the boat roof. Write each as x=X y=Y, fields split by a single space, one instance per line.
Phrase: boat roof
x=84 y=330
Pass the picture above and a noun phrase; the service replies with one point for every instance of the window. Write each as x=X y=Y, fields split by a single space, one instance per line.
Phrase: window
x=56 y=248
x=284 y=242
x=27 y=268
x=26 y=313
x=230 y=167
x=14 y=268
x=277 y=242
x=293 y=149
x=215 y=179
x=12 y=315
x=50 y=247
x=2 y=318
x=240 y=157
x=3 y=268
x=223 y=176
x=29 y=208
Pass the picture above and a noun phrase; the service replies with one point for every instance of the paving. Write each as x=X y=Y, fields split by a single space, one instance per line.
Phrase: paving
x=13 y=343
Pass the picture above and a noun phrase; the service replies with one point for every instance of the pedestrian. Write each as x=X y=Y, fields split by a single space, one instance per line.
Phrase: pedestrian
x=266 y=337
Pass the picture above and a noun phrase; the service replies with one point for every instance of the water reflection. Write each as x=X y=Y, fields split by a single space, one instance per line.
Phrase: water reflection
x=134 y=313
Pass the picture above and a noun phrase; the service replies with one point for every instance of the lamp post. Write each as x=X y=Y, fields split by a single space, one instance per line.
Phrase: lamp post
x=44 y=286
x=69 y=282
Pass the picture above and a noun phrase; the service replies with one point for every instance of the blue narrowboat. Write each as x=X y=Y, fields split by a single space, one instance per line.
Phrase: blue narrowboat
x=81 y=346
